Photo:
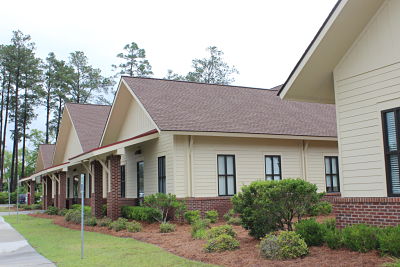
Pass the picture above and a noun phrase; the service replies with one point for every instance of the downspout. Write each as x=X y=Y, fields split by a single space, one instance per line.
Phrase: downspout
x=304 y=152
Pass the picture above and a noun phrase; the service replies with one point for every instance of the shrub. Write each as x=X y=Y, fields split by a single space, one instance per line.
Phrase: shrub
x=234 y=221
x=285 y=245
x=139 y=213
x=166 y=204
x=330 y=224
x=167 y=227
x=229 y=215
x=221 y=243
x=389 y=241
x=333 y=238
x=199 y=228
x=36 y=206
x=62 y=212
x=38 y=197
x=212 y=215
x=104 y=222
x=90 y=221
x=86 y=209
x=321 y=208
x=266 y=206
x=104 y=210
x=360 y=237
x=52 y=210
x=133 y=227
x=4 y=197
x=75 y=216
x=119 y=224
x=192 y=215
x=220 y=230
x=312 y=232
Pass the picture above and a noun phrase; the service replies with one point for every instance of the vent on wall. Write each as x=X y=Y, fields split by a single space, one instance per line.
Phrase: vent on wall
x=138 y=152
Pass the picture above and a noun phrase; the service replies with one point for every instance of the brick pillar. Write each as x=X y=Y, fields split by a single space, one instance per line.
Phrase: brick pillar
x=96 y=200
x=32 y=192
x=113 y=208
x=48 y=193
x=62 y=191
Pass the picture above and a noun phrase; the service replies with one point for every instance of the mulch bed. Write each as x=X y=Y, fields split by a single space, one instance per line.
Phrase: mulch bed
x=181 y=243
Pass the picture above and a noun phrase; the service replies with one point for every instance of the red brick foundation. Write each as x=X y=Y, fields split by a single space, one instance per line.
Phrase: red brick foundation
x=97 y=197
x=220 y=204
x=377 y=211
x=62 y=192
x=32 y=192
x=113 y=207
x=47 y=198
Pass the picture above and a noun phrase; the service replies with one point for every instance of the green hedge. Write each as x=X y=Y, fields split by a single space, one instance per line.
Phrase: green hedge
x=139 y=213
x=4 y=197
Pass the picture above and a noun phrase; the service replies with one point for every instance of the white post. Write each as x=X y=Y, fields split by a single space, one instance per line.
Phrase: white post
x=82 y=212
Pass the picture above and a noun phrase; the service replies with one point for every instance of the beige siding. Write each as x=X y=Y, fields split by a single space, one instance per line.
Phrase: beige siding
x=367 y=81
x=72 y=147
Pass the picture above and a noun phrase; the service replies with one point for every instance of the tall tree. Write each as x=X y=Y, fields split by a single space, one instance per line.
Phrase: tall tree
x=87 y=83
x=134 y=62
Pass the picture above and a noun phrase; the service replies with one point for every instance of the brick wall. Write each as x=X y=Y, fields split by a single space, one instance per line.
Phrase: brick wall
x=97 y=197
x=220 y=204
x=62 y=204
x=113 y=208
x=377 y=211
x=32 y=192
x=47 y=200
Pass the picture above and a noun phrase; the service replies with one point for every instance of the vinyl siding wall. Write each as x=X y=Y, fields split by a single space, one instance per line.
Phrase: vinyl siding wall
x=367 y=81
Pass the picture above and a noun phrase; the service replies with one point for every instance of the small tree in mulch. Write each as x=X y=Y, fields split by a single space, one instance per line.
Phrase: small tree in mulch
x=266 y=206
x=166 y=204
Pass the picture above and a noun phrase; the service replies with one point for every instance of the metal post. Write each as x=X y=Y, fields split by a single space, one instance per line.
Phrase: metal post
x=17 y=197
x=9 y=197
x=82 y=212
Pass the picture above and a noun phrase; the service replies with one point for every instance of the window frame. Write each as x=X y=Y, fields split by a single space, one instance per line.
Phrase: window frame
x=161 y=177
x=272 y=167
x=332 y=174
x=226 y=174
x=123 y=181
x=387 y=152
x=137 y=178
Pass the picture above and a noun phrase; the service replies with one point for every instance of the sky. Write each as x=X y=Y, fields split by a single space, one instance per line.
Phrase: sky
x=263 y=39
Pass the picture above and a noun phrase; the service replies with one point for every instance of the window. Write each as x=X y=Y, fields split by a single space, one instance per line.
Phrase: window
x=90 y=186
x=332 y=174
x=162 y=187
x=273 y=168
x=68 y=185
x=140 y=179
x=391 y=130
x=122 y=180
x=83 y=176
x=226 y=175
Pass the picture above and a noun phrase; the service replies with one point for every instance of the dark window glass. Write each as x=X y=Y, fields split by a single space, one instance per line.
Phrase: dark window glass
x=90 y=186
x=226 y=175
x=140 y=179
x=332 y=174
x=162 y=186
x=123 y=181
x=68 y=186
x=273 y=168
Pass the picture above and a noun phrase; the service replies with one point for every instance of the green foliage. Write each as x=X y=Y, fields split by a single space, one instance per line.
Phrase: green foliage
x=333 y=238
x=330 y=224
x=166 y=204
x=229 y=214
x=119 y=224
x=133 y=227
x=321 y=208
x=90 y=221
x=86 y=209
x=285 y=245
x=104 y=222
x=360 y=237
x=62 y=212
x=139 y=213
x=212 y=215
x=221 y=243
x=311 y=231
x=4 y=197
x=199 y=228
x=167 y=227
x=104 y=210
x=220 y=230
x=266 y=206
x=234 y=221
x=191 y=216
x=389 y=241
x=52 y=210
x=134 y=62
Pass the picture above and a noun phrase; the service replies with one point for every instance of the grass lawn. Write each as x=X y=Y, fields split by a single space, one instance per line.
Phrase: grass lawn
x=62 y=246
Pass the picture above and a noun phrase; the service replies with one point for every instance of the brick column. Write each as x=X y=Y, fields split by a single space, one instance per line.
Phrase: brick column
x=48 y=193
x=32 y=192
x=113 y=208
x=62 y=192
x=96 y=200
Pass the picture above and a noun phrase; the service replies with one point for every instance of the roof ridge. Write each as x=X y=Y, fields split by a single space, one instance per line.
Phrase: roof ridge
x=210 y=84
x=87 y=104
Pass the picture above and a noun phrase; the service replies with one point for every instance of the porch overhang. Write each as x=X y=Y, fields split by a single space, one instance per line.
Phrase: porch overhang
x=49 y=170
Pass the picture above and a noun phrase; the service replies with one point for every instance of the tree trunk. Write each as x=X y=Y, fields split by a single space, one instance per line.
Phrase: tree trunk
x=3 y=87
x=48 y=113
x=24 y=134
x=5 y=130
x=14 y=166
x=59 y=115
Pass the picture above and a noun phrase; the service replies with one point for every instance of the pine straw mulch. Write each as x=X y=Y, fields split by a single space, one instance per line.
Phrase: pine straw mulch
x=181 y=243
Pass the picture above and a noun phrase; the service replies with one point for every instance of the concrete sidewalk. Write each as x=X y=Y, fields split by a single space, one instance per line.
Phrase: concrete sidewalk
x=15 y=250
x=6 y=213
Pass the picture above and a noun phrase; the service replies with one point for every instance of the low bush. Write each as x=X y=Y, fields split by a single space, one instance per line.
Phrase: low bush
x=234 y=221
x=86 y=209
x=104 y=222
x=104 y=210
x=119 y=224
x=139 y=213
x=199 y=228
x=52 y=210
x=321 y=208
x=221 y=243
x=191 y=216
x=333 y=238
x=221 y=230
x=330 y=224
x=167 y=228
x=311 y=231
x=36 y=206
x=285 y=245
x=389 y=241
x=90 y=221
x=133 y=227
x=62 y=212
x=360 y=237
x=229 y=215
x=212 y=215
x=166 y=204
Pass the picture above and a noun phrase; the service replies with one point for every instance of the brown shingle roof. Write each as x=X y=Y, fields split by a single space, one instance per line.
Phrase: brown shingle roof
x=187 y=106
x=89 y=121
x=46 y=151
